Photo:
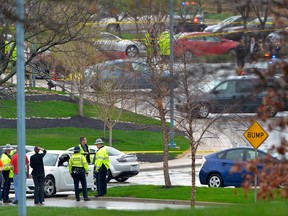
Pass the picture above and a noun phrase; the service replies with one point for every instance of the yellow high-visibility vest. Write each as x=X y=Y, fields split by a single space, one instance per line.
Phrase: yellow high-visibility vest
x=7 y=165
x=102 y=157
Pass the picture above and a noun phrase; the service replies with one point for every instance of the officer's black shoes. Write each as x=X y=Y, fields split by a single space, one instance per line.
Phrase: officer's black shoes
x=98 y=195
x=78 y=200
x=87 y=199
x=7 y=201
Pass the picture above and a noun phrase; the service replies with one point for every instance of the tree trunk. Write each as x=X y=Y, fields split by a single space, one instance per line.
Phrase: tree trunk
x=193 y=188
x=219 y=6
x=165 y=141
x=110 y=135
x=81 y=103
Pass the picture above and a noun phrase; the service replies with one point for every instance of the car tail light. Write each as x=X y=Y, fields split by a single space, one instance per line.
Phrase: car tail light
x=267 y=54
x=121 y=159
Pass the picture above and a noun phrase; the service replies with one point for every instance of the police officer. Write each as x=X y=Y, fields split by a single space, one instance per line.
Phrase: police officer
x=7 y=172
x=78 y=167
x=84 y=149
x=102 y=164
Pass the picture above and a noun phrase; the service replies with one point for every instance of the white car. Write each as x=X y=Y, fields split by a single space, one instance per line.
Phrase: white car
x=57 y=176
x=122 y=166
x=111 y=42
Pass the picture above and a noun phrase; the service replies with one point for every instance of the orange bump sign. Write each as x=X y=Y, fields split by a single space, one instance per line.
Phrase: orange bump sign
x=256 y=135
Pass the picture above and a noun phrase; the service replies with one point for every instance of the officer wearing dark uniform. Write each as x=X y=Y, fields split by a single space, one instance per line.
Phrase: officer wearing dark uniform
x=84 y=149
x=102 y=164
x=78 y=168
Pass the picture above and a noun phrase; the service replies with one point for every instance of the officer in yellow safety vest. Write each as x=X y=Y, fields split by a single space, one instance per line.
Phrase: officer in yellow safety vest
x=78 y=168
x=102 y=164
x=8 y=46
x=164 y=44
x=7 y=172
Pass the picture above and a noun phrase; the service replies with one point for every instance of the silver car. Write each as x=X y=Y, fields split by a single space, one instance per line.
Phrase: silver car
x=122 y=166
x=109 y=42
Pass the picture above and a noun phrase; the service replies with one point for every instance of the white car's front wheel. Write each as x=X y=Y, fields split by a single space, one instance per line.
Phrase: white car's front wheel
x=49 y=186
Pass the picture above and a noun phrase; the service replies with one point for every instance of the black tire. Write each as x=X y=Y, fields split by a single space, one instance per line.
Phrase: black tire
x=203 y=110
x=121 y=179
x=113 y=28
x=215 y=180
x=272 y=111
x=132 y=51
x=49 y=187
x=109 y=176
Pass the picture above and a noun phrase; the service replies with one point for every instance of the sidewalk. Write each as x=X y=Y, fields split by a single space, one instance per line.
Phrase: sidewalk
x=183 y=162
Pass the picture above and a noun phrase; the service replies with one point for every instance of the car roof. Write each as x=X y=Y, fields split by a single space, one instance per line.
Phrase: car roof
x=111 y=62
x=235 y=148
x=55 y=152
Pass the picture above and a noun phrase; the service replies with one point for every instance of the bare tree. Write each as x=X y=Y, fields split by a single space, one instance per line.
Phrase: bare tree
x=47 y=24
x=243 y=7
x=274 y=173
x=105 y=100
x=75 y=57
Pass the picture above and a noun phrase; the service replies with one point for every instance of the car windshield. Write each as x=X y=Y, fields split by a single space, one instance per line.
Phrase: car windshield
x=228 y=20
x=209 y=85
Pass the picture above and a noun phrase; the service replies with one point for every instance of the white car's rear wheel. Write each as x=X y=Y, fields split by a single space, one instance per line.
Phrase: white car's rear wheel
x=121 y=179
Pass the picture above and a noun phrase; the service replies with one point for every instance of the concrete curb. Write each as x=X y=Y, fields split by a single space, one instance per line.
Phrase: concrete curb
x=160 y=201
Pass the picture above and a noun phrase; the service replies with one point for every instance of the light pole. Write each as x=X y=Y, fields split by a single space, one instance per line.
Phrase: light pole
x=21 y=136
x=171 y=62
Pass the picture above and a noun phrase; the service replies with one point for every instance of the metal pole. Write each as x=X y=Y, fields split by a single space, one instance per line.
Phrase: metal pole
x=21 y=106
x=171 y=31
x=255 y=180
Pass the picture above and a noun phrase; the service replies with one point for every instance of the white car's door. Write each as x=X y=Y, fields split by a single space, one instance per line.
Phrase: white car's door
x=90 y=178
x=65 y=181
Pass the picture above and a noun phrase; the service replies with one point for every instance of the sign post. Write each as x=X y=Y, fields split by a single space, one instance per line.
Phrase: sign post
x=255 y=135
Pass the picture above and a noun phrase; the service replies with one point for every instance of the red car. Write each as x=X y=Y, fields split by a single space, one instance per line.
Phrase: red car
x=202 y=43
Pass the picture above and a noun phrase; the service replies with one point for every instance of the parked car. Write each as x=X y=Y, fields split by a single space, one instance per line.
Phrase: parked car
x=227 y=23
x=57 y=176
x=122 y=166
x=216 y=168
x=44 y=66
x=126 y=23
x=276 y=44
x=253 y=28
x=202 y=43
x=28 y=148
x=265 y=67
x=124 y=74
x=236 y=94
x=110 y=42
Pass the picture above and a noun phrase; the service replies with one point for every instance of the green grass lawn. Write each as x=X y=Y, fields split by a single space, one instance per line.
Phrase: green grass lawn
x=61 y=109
x=64 y=138
x=203 y=194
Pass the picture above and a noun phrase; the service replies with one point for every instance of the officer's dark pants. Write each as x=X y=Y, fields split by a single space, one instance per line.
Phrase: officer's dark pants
x=101 y=181
x=79 y=176
x=39 y=188
x=6 y=185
